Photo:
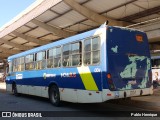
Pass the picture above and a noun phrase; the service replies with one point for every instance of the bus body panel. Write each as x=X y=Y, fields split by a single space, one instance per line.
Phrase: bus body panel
x=71 y=86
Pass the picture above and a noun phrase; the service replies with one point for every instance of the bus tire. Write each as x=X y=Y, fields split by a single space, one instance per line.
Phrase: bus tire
x=54 y=95
x=14 y=89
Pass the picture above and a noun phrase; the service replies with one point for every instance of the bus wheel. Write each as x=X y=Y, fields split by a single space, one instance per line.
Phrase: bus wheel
x=54 y=95
x=14 y=89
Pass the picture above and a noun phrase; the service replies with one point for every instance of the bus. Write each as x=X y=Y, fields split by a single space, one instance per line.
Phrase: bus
x=155 y=60
x=105 y=63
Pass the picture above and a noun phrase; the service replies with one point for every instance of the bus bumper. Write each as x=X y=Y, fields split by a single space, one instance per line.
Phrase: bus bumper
x=107 y=94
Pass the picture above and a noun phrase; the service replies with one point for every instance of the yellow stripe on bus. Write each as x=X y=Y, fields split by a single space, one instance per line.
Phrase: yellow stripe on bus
x=87 y=78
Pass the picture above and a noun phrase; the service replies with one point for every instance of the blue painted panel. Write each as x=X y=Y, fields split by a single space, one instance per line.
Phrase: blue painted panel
x=63 y=77
x=128 y=59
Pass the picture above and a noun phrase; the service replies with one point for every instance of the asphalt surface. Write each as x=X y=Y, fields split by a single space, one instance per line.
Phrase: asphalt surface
x=71 y=111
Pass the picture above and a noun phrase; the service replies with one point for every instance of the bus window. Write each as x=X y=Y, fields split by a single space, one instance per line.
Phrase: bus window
x=76 y=54
x=66 y=55
x=40 y=60
x=96 y=50
x=10 y=63
x=18 y=64
x=21 y=64
x=87 y=52
x=57 y=57
x=29 y=62
x=14 y=65
x=87 y=45
x=50 y=57
x=72 y=54
x=92 y=51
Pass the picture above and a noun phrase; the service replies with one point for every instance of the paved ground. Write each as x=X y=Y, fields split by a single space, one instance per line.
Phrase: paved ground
x=155 y=98
x=24 y=103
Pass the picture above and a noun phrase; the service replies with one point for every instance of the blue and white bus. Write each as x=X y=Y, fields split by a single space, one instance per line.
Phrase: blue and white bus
x=95 y=66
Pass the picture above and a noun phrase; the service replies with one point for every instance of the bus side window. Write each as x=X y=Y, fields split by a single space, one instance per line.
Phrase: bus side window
x=72 y=54
x=57 y=57
x=40 y=60
x=14 y=65
x=22 y=64
x=92 y=51
x=76 y=54
x=18 y=64
x=10 y=69
x=66 y=55
x=50 y=55
x=87 y=52
x=66 y=61
x=95 y=50
x=29 y=62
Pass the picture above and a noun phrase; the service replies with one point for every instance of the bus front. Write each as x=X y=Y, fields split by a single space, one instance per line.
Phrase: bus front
x=128 y=64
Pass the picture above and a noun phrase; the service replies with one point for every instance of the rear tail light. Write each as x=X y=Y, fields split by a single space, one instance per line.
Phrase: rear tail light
x=110 y=82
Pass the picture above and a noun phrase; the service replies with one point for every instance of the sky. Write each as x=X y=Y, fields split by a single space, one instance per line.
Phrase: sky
x=11 y=8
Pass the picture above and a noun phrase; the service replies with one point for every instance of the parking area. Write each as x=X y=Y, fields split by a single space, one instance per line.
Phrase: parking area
x=32 y=104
